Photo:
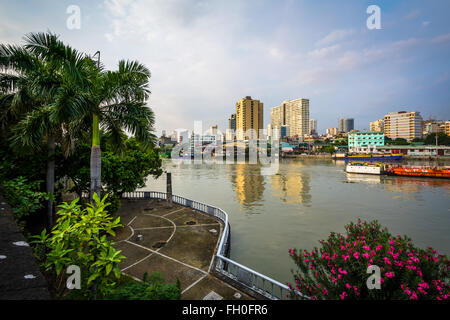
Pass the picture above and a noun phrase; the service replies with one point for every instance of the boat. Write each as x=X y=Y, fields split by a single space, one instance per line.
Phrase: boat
x=367 y=156
x=422 y=171
x=364 y=168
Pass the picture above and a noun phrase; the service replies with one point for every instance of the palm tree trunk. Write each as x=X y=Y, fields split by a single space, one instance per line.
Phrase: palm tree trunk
x=96 y=160
x=50 y=179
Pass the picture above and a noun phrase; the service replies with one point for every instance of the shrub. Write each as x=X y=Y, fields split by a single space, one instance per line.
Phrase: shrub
x=24 y=197
x=339 y=269
x=152 y=287
x=79 y=237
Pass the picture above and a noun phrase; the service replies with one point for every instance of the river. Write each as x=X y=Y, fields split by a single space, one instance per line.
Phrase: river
x=306 y=200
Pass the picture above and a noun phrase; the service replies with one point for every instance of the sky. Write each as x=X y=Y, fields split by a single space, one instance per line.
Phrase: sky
x=205 y=55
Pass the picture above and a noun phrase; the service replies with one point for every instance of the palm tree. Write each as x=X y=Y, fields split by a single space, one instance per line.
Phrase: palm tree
x=118 y=100
x=33 y=81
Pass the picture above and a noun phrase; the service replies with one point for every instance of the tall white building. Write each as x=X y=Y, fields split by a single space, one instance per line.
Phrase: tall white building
x=312 y=126
x=292 y=113
x=402 y=124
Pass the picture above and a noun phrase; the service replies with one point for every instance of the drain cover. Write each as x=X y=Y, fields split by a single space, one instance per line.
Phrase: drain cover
x=191 y=223
x=159 y=244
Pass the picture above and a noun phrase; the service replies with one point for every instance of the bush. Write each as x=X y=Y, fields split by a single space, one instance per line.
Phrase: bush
x=151 y=288
x=339 y=269
x=79 y=238
x=24 y=197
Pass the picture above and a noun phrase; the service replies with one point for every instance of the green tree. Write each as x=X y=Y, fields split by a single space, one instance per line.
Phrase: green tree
x=123 y=170
x=443 y=139
x=32 y=81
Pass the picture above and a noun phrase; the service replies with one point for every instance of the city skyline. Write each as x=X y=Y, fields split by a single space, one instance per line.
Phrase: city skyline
x=204 y=56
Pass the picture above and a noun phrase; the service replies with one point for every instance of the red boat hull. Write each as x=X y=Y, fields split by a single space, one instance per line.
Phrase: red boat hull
x=421 y=172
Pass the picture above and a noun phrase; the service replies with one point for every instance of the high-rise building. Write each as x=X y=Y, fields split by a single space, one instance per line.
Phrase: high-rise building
x=332 y=131
x=447 y=128
x=377 y=125
x=292 y=113
x=346 y=125
x=249 y=118
x=312 y=126
x=232 y=122
x=213 y=130
x=402 y=124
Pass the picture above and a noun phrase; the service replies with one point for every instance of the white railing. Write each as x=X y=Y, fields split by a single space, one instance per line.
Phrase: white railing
x=247 y=277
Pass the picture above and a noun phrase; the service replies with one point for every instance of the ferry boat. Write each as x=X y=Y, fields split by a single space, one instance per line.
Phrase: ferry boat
x=367 y=156
x=423 y=171
x=364 y=168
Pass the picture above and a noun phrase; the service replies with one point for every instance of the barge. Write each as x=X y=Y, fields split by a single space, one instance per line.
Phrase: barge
x=368 y=156
x=364 y=168
x=422 y=171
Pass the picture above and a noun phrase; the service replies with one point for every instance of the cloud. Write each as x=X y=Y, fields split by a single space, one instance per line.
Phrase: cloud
x=324 y=52
x=441 y=39
x=426 y=23
x=335 y=36
x=413 y=14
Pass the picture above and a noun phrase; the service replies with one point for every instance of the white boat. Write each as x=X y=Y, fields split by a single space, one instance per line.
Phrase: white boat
x=364 y=168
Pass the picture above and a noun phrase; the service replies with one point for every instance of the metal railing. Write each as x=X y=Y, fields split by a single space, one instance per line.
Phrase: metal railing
x=245 y=276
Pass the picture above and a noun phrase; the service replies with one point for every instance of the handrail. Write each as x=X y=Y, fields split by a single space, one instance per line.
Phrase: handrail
x=247 y=277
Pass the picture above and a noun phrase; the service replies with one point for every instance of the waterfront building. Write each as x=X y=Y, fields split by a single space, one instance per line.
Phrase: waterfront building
x=447 y=128
x=284 y=131
x=416 y=150
x=377 y=125
x=232 y=122
x=371 y=140
x=346 y=124
x=249 y=116
x=292 y=113
x=402 y=124
x=433 y=126
x=312 y=127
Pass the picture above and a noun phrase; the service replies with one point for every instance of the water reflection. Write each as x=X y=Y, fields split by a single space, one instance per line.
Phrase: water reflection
x=292 y=187
x=248 y=183
x=363 y=178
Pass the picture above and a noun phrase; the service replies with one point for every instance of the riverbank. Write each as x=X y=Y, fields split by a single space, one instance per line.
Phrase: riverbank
x=445 y=159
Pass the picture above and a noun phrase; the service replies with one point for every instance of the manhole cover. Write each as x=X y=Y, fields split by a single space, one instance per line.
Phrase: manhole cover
x=159 y=244
x=191 y=223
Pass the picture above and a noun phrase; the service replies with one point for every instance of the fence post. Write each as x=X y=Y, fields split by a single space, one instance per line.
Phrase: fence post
x=169 y=189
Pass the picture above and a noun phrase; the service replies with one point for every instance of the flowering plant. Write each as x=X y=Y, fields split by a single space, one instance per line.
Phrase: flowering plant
x=343 y=267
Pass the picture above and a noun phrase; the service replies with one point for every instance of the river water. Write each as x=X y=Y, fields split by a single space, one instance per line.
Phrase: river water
x=306 y=200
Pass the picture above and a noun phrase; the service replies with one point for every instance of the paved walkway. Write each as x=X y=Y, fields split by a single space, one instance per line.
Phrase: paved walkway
x=20 y=278
x=178 y=242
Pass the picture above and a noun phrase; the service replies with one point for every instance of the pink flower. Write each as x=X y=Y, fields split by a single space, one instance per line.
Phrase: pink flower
x=356 y=255
x=348 y=285
x=342 y=271
x=366 y=255
x=389 y=274
x=343 y=295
